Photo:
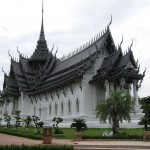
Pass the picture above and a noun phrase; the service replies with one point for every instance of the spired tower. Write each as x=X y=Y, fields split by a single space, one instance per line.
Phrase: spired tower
x=48 y=87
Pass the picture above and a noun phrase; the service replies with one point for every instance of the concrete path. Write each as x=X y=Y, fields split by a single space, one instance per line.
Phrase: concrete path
x=9 y=139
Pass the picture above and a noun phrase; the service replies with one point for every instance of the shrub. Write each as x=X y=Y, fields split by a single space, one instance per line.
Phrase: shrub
x=40 y=124
x=18 y=118
x=55 y=125
x=36 y=147
x=27 y=121
x=7 y=118
x=35 y=120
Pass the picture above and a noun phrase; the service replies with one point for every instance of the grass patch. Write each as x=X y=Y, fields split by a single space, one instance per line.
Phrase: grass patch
x=122 y=134
x=99 y=131
x=68 y=134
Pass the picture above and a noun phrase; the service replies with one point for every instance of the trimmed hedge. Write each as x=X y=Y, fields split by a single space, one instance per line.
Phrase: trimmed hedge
x=23 y=133
x=37 y=147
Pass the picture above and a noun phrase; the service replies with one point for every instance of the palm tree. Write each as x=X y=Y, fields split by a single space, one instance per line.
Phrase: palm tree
x=80 y=126
x=117 y=107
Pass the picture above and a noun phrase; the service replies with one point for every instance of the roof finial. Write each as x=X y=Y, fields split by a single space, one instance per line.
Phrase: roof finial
x=121 y=40
x=9 y=53
x=18 y=50
x=144 y=72
x=56 y=51
x=3 y=70
x=42 y=36
x=52 y=47
x=131 y=44
x=110 y=20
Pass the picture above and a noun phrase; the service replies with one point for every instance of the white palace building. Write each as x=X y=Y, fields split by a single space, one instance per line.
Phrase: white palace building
x=71 y=87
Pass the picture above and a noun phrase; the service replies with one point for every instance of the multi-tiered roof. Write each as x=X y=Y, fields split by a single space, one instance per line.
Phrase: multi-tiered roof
x=43 y=72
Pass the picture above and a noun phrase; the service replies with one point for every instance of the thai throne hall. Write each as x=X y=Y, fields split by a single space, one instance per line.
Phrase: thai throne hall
x=71 y=87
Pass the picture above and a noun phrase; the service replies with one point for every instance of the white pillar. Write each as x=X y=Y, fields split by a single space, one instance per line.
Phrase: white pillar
x=135 y=92
x=83 y=99
x=22 y=103
x=5 y=105
x=107 y=89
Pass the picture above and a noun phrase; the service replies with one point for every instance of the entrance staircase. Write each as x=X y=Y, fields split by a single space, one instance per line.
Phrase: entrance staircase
x=111 y=147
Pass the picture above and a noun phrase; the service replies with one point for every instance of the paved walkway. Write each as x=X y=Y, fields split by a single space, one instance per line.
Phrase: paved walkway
x=9 y=139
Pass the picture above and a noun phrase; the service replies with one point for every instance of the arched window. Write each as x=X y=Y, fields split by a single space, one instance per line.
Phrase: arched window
x=69 y=107
x=77 y=105
x=62 y=108
x=50 y=109
x=56 y=109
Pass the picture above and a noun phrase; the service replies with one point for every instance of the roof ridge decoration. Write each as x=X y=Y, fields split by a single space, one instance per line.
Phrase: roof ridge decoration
x=21 y=55
x=14 y=59
x=88 y=43
x=129 y=54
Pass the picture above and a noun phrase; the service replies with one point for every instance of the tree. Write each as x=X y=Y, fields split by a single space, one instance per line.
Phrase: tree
x=57 y=121
x=18 y=118
x=146 y=109
x=145 y=121
x=79 y=124
x=117 y=107
x=7 y=118
x=27 y=121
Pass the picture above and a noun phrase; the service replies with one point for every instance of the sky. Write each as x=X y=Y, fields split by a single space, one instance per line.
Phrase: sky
x=71 y=23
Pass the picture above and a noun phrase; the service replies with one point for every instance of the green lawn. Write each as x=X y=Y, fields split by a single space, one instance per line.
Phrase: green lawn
x=99 y=131
x=68 y=132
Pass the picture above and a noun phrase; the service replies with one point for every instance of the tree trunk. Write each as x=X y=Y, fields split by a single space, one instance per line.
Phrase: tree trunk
x=115 y=122
x=78 y=135
x=145 y=126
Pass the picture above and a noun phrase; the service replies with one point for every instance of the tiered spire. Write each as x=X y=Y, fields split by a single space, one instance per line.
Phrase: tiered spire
x=42 y=35
x=41 y=52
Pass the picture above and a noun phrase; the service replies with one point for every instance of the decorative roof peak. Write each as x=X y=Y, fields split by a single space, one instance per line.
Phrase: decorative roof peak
x=42 y=35
x=41 y=52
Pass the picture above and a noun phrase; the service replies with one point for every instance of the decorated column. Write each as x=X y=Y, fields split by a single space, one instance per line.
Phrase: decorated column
x=135 y=92
x=106 y=89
